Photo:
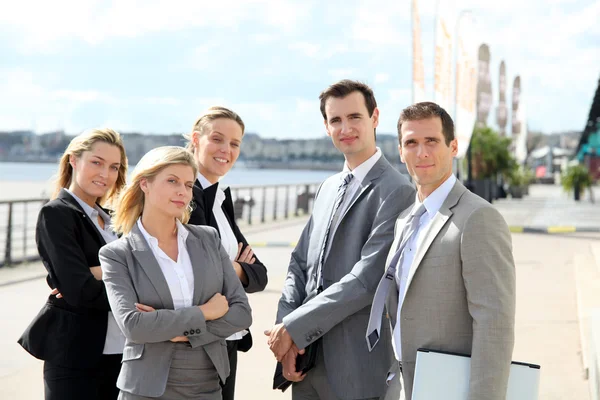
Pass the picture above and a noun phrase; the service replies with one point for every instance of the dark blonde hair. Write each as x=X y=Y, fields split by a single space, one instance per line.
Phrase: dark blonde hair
x=82 y=143
x=131 y=201
x=211 y=114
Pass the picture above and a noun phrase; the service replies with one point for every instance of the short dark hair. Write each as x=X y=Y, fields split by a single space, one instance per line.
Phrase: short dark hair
x=426 y=110
x=343 y=88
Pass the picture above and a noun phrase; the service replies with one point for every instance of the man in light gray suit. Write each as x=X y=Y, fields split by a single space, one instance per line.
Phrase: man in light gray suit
x=450 y=276
x=335 y=268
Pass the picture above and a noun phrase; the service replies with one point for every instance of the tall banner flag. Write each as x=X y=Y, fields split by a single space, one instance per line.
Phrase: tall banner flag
x=466 y=83
x=418 y=84
x=484 y=85
x=520 y=142
x=443 y=56
x=516 y=113
x=502 y=110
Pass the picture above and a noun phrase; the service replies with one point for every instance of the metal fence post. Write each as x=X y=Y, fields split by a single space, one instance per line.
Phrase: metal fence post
x=7 y=256
x=287 y=201
x=250 y=208
x=275 y=204
x=263 y=201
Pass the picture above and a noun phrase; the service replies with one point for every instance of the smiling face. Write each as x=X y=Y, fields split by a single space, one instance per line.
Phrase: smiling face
x=217 y=148
x=170 y=191
x=95 y=171
x=427 y=157
x=351 y=128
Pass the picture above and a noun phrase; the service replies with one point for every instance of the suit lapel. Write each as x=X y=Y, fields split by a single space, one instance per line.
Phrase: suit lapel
x=71 y=202
x=146 y=259
x=433 y=229
x=366 y=184
x=199 y=258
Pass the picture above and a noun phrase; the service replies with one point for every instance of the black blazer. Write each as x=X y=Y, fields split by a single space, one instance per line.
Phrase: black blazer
x=69 y=331
x=202 y=214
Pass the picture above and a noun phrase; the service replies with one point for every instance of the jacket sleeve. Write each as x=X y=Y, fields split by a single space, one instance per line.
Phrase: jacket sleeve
x=239 y=316
x=256 y=272
x=143 y=327
x=63 y=257
x=489 y=278
x=354 y=291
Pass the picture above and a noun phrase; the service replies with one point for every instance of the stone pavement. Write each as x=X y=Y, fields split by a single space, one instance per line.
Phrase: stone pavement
x=547 y=326
x=549 y=206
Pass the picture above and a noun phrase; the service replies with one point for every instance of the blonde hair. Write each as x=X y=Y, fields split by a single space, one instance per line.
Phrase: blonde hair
x=131 y=201
x=82 y=143
x=211 y=114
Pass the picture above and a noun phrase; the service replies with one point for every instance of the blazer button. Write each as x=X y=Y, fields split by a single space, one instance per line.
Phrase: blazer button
x=197 y=331
x=186 y=333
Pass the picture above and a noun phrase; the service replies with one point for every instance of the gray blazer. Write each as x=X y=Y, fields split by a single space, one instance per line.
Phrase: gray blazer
x=461 y=296
x=132 y=275
x=351 y=272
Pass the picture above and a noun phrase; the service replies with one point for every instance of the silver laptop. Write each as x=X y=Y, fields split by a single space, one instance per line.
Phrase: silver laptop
x=442 y=375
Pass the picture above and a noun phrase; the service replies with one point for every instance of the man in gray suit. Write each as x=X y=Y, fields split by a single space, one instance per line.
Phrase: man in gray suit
x=449 y=283
x=335 y=268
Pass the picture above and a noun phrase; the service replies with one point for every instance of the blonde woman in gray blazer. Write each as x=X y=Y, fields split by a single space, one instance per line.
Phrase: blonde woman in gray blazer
x=172 y=288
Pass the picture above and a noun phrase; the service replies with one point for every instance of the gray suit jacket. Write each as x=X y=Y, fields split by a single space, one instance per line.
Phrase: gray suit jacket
x=461 y=296
x=351 y=272
x=132 y=275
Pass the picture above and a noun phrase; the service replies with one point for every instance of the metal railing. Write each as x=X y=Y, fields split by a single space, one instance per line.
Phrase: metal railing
x=252 y=205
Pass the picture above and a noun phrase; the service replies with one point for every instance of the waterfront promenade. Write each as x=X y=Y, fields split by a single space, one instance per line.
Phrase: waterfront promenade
x=547 y=325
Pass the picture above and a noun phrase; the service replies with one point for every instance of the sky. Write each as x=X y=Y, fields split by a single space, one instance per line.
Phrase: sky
x=154 y=66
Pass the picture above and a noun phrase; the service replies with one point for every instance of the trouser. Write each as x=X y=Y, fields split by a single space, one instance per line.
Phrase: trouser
x=228 y=389
x=95 y=383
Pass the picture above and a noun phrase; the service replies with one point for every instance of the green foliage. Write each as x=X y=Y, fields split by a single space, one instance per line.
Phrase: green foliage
x=491 y=155
x=519 y=176
x=576 y=175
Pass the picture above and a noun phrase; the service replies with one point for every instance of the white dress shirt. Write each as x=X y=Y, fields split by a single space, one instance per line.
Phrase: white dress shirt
x=115 y=340
x=228 y=239
x=432 y=203
x=359 y=174
x=178 y=274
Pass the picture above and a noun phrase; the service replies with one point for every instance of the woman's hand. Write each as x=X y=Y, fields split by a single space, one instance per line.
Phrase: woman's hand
x=246 y=256
x=56 y=293
x=143 y=308
x=179 y=339
x=215 y=308
x=97 y=272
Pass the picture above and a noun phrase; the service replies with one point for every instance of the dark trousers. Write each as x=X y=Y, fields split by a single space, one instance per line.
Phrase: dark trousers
x=228 y=389
x=97 y=383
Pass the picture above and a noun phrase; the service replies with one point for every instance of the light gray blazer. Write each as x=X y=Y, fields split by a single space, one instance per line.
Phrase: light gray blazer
x=351 y=272
x=132 y=275
x=461 y=296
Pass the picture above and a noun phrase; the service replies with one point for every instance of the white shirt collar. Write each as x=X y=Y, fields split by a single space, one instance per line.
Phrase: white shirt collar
x=182 y=233
x=434 y=201
x=219 y=196
x=204 y=182
x=91 y=212
x=363 y=169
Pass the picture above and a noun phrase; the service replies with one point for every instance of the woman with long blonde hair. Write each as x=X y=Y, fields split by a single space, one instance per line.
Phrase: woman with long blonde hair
x=215 y=142
x=75 y=333
x=173 y=290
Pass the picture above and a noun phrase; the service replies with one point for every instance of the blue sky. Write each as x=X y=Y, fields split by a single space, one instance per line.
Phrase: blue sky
x=153 y=66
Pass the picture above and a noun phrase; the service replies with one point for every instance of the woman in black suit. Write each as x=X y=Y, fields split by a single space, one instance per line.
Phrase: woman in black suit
x=215 y=142
x=75 y=332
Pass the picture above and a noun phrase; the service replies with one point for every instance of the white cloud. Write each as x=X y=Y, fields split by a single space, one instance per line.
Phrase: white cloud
x=382 y=77
x=52 y=24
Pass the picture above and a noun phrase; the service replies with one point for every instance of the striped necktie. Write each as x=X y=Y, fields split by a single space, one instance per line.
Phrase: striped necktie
x=374 y=326
x=341 y=192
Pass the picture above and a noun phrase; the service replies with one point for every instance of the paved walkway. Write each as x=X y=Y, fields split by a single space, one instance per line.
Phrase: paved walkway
x=549 y=205
x=547 y=325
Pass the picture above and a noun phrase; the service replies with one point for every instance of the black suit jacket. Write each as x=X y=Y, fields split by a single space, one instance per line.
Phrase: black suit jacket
x=69 y=331
x=202 y=214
